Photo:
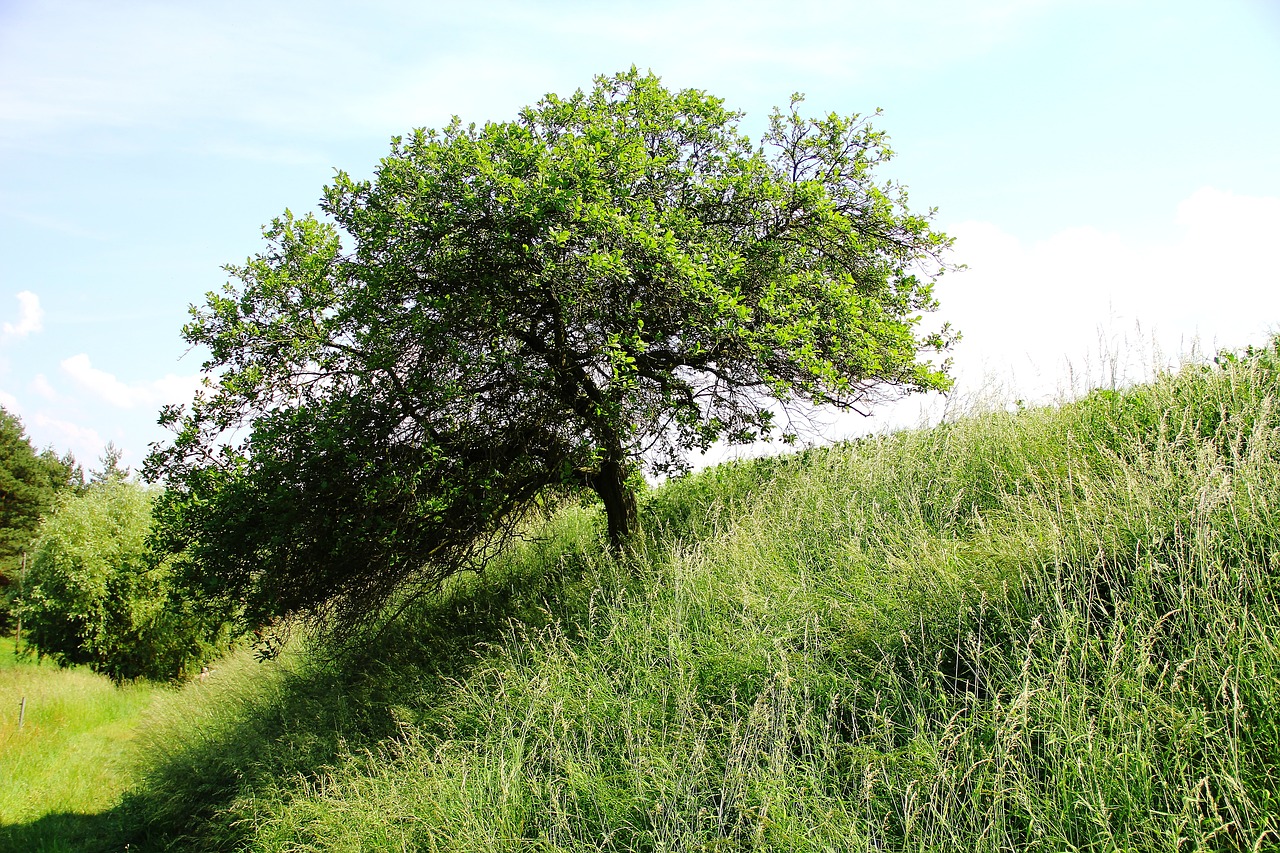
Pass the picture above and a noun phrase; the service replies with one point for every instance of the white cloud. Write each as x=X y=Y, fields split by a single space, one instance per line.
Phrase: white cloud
x=84 y=442
x=1230 y=222
x=1087 y=308
x=1090 y=301
x=40 y=384
x=168 y=389
x=99 y=382
x=30 y=317
x=44 y=430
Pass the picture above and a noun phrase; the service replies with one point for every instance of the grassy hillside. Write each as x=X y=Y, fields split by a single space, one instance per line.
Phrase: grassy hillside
x=1051 y=629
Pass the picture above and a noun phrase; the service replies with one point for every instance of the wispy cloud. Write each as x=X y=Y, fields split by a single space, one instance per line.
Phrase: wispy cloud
x=30 y=317
x=50 y=223
x=756 y=44
x=280 y=155
x=85 y=443
x=334 y=69
x=76 y=63
x=168 y=389
x=40 y=384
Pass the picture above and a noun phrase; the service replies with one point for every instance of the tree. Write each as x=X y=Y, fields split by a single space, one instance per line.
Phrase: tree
x=29 y=481
x=109 y=465
x=95 y=595
x=605 y=283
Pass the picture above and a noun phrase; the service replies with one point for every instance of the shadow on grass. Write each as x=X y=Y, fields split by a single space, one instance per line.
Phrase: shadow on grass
x=64 y=833
x=202 y=789
x=209 y=765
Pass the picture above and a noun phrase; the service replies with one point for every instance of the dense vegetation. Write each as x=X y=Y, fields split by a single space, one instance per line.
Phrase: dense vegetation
x=506 y=313
x=96 y=594
x=29 y=481
x=1045 y=629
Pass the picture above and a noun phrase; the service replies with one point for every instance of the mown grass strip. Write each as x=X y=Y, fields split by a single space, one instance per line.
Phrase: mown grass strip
x=69 y=760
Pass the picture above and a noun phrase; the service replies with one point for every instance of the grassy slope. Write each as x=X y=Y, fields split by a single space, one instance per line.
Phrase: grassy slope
x=1055 y=629
x=67 y=762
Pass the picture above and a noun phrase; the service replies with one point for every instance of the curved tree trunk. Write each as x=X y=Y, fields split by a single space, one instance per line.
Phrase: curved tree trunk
x=620 y=507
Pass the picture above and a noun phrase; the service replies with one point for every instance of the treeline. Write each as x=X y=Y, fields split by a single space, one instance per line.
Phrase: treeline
x=80 y=582
x=29 y=483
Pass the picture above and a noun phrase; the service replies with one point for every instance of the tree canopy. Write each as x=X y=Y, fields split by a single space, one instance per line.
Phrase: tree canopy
x=95 y=594
x=560 y=301
x=29 y=481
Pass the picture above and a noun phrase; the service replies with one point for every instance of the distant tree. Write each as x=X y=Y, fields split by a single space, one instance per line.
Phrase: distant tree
x=29 y=481
x=109 y=467
x=605 y=283
x=95 y=595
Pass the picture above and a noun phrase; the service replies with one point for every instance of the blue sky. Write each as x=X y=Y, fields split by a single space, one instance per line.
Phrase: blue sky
x=1111 y=170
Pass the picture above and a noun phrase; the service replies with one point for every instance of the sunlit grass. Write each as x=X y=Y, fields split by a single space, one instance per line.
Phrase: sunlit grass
x=69 y=758
x=1050 y=629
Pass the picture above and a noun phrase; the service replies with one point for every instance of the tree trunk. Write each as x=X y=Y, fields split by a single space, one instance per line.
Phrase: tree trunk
x=620 y=508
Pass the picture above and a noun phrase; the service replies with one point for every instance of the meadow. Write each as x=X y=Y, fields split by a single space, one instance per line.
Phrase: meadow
x=65 y=740
x=1051 y=628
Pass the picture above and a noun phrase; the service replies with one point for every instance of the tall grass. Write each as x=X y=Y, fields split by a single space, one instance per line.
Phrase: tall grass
x=67 y=760
x=1053 y=629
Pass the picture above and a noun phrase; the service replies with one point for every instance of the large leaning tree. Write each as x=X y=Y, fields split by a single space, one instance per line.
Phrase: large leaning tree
x=598 y=287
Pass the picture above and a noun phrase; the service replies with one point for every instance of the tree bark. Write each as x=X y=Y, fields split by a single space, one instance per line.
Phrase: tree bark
x=620 y=506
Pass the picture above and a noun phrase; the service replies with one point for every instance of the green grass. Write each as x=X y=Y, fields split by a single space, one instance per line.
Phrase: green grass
x=1051 y=629
x=67 y=763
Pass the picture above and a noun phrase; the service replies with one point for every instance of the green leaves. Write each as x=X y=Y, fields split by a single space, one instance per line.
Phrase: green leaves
x=94 y=594
x=606 y=282
x=29 y=483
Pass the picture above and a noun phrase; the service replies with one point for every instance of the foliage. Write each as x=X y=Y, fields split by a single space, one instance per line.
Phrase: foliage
x=999 y=634
x=95 y=595
x=28 y=483
x=555 y=302
x=109 y=465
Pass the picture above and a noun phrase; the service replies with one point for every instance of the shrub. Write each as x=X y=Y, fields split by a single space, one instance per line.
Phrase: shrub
x=95 y=594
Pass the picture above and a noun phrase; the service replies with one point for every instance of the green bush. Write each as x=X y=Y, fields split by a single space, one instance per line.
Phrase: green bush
x=95 y=595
